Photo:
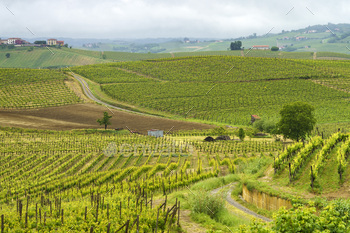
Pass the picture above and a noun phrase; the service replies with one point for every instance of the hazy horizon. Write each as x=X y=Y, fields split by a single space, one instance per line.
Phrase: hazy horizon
x=126 y=19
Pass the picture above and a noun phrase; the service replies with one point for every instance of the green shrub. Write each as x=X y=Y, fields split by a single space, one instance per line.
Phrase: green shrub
x=205 y=203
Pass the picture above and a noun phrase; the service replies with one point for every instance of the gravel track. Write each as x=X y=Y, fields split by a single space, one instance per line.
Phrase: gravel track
x=237 y=205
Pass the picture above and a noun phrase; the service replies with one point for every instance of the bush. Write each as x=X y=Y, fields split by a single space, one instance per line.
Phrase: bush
x=205 y=203
x=274 y=48
x=268 y=126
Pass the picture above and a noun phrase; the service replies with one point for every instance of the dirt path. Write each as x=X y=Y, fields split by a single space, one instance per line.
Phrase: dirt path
x=315 y=56
x=242 y=53
x=237 y=205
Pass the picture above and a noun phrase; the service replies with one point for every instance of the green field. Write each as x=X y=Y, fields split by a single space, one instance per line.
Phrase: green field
x=30 y=88
x=227 y=89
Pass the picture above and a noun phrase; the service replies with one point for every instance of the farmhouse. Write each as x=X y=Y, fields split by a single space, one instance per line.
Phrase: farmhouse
x=254 y=118
x=261 y=47
x=12 y=40
x=60 y=42
x=155 y=133
x=51 y=41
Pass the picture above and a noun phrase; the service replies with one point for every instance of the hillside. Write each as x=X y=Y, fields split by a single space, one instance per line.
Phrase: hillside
x=320 y=167
x=21 y=57
x=316 y=38
x=46 y=58
x=30 y=88
x=226 y=89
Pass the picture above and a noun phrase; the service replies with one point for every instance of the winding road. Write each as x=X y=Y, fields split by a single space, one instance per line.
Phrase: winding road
x=237 y=205
x=91 y=96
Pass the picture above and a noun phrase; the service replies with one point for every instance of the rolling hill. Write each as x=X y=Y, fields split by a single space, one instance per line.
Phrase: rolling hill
x=226 y=89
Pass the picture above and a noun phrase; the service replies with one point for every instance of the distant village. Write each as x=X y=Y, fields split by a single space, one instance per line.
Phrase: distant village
x=39 y=43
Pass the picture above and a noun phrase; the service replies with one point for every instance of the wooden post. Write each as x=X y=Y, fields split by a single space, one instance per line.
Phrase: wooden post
x=108 y=211
x=2 y=223
x=157 y=221
x=27 y=203
x=26 y=220
x=166 y=197
x=62 y=220
x=138 y=223
x=178 y=215
x=120 y=209
x=50 y=208
x=290 y=174
x=108 y=227
x=92 y=229
x=97 y=211
x=85 y=212
x=127 y=226
x=312 y=179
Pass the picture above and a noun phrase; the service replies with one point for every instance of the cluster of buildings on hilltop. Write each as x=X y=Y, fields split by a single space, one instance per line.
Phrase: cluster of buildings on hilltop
x=21 y=42
x=14 y=41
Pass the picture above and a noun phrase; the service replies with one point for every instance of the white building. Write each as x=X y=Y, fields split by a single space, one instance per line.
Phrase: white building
x=12 y=40
x=155 y=133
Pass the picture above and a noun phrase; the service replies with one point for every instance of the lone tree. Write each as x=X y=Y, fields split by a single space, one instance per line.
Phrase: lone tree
x=105 y=120
x=297 y=120
x=241 y=134
x=236 y=45
x=8 y=55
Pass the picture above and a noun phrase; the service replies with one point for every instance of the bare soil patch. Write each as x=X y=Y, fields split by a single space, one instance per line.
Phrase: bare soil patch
x=84 y=116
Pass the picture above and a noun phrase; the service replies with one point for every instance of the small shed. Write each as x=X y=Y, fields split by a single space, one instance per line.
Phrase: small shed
x=254 y=118
x=155 y=133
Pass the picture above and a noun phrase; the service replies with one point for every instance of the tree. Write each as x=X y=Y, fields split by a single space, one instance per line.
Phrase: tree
x=236 y=45
x=105 y=120
x=297 y=120
x=41 y=42
x=8 y=55
x=241 y=134
x=274 y=48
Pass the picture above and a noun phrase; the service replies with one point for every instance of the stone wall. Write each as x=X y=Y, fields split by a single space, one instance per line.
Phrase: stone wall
x=264 y=201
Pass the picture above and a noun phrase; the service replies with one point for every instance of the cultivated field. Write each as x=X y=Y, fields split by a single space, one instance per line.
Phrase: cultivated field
x=226 y=89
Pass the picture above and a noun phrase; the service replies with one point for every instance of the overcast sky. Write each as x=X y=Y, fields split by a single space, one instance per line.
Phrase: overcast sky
x=164 y=18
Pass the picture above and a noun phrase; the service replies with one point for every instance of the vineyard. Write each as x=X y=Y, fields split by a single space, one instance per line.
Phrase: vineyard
x=77 y=181
x=226 y=89
x=29 y=88
x=320 y=164
x=45 y=58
